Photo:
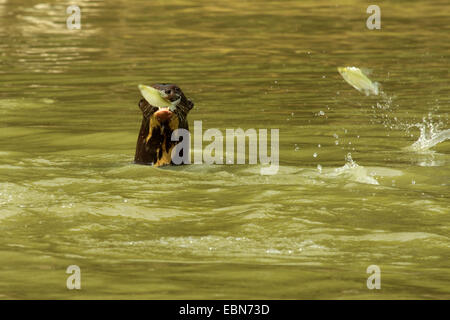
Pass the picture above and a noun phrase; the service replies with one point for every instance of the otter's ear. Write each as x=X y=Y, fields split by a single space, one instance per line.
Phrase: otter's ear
x=190 y=104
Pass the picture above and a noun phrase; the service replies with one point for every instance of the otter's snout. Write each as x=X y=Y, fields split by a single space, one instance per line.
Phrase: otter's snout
x=163 y=115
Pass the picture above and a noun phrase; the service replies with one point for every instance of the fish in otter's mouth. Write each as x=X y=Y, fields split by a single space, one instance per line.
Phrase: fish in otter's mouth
x=164 y=109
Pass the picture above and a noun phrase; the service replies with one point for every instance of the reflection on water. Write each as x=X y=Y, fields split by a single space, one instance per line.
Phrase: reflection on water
x=350 y=192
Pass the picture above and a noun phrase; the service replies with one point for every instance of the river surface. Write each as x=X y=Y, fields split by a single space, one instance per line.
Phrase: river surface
x=363 y=180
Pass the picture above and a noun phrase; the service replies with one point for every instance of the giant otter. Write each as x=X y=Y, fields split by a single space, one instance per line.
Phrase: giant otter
x=168 y=113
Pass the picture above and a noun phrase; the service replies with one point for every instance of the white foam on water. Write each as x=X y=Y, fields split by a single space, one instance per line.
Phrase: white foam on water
x=355 y=172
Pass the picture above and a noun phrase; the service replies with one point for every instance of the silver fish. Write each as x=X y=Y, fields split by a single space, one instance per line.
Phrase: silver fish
x=358 y=80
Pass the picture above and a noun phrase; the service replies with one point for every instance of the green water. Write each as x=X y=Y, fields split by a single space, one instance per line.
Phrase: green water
x=70 y=194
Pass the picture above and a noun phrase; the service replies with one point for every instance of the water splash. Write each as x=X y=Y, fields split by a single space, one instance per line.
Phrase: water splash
x=430 y=135
x=355 y=172
x=430 y=129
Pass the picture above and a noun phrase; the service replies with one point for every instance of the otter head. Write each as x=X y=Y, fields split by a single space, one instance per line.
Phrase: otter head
x=164 y=109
